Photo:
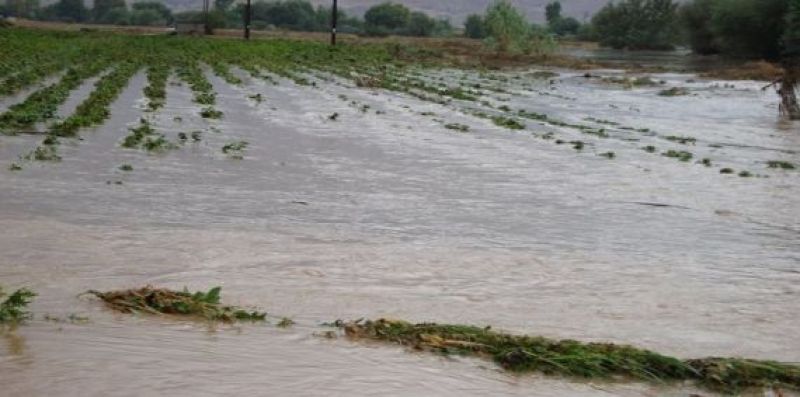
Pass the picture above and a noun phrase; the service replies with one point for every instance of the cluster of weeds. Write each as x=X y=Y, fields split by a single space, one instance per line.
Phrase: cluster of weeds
x=333 y=117
x=126 y=167
x=43 y=153
x=222 y=70
x=285 y=322
x=706 y=162
x=674 y=91
x=507 y=122
x=608 y=155
x=520 y=353
x=457 y=127
x=258 y=98
x=601 y=121
x=785 y=165
x=203 y=91
x=726 y=171
x=649 y=149
x=211 y=113
x=152 y=300
x=235 y=149
x=155 y=91
x=14 y=167
x=627 y=82
x=13 y=307
x=683 y=140
x=144 y=137
x=681 y=155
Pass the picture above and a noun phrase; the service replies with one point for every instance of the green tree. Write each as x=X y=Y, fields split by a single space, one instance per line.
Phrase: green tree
x=117 y=16
x=290 y=14
x=791 y=35
x=147 y=17
x=506 y=28
x=386 y=18
x=21 y=8
x=749 y=28
x=443 y=28
x=66 y=11
x=420 y=24
x=552 y=12
x=695 y=16
x=637 y=24
x=223 y=5
x=474 y=27
x=565 y=26
x=102 y=7
x=163 y=11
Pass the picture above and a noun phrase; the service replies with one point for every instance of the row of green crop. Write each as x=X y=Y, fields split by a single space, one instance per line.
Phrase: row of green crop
x=204 y=93
x=156 y=89
x=43 y=104
x=95 y=109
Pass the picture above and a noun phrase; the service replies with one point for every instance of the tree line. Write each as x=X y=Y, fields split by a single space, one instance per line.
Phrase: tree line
x=738 y=28
x=763 y=29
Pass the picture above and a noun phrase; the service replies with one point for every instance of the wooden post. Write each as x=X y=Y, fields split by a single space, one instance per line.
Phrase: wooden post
x=205 y=16
x=247 y=18
x=334 y=20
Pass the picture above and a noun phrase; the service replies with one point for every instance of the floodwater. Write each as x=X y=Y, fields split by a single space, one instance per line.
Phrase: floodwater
x=384 y=212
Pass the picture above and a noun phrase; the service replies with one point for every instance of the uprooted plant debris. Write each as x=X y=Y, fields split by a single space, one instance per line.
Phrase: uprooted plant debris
x=184 y=303
x=12 y=308
x=520 y=353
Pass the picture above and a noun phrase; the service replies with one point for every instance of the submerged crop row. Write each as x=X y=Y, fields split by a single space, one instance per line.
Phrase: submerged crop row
x=516 y=353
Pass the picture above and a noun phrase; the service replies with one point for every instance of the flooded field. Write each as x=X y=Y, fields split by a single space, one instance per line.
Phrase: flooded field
x=597 y=207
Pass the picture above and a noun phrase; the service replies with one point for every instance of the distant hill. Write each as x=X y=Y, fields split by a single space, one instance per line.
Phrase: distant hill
x=455 y=10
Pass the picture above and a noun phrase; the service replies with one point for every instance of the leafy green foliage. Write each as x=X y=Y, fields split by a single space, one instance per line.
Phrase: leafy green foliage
x=637 y=24
x=474 y=27
x=386 y=18
x=519 y=353
x=95 y=109
x=12 y=309
x=681 y=155
x=509 y=123
x=235 y=149
x=182 y=303
x=738 y=28
x=780 y=164
x=507 y=29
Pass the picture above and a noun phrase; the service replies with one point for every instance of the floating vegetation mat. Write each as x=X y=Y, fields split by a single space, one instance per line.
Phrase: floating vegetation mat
x=182 y=303
x=572 y=358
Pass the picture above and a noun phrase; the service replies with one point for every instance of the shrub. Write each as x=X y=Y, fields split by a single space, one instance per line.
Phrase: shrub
x=637 y=24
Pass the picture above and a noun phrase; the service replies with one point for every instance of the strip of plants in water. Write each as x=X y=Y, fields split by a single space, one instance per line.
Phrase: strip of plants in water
x=521 y=353
x=515 y=353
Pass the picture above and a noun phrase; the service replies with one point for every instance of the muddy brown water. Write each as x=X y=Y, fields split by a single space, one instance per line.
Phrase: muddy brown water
x=394 y=215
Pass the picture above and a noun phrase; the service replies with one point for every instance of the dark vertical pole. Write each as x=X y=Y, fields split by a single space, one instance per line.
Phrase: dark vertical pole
x=205 y=16
x=247 y=16
x=334 y=20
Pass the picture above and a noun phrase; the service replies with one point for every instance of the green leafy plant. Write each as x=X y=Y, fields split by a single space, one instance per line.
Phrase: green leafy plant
x=13 y=308
x=520 y=353
x=199 y=304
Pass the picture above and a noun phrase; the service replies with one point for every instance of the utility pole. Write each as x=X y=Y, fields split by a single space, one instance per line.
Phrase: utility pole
x=205 y=16
x=334 y=20
x=247 y=17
